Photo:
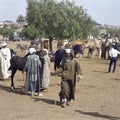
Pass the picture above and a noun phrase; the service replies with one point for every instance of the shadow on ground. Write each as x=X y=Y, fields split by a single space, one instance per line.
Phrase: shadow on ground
x=96 y=114
x=19 y=90
x=48 y=101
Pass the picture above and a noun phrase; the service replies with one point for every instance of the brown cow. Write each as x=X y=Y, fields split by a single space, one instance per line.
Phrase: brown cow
x=93 y=45
x=77 y=42
x=21 y=47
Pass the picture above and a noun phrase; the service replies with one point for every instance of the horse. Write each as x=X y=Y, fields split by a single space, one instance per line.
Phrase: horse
x=18 y=63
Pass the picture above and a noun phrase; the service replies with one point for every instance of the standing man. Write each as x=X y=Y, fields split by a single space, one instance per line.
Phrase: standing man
x=32 y=68
x=46 y=70
x=113 y=53
x=71 y=70
x=5 y=56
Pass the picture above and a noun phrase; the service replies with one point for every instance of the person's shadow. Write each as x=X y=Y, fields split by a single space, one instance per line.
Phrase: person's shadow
x=96 y=114
x=19 y=90
x=48 y=101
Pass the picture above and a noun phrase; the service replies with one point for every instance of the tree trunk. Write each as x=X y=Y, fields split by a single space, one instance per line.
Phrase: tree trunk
x=50 y=43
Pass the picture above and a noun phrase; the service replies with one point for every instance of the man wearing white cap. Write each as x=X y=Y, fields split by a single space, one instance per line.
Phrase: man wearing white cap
x=32 y=68
x=5 y=56
x=71 y=71
x=46 y=70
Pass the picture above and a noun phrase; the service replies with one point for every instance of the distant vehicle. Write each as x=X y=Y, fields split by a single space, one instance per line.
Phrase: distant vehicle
x=11 y=38
x=14 y=37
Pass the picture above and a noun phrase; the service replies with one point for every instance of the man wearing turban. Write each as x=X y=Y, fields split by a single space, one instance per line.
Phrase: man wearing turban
x=71 y=71
x=5 y=56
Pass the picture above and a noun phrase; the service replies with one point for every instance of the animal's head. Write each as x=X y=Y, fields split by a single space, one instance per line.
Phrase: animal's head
x=13 y=53
x=67 y=46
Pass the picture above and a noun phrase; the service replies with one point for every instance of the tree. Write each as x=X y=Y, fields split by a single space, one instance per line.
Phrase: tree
x=20 y=20
x=29 y=32
x=58 y=19
x=6 y=32
x=115 y=31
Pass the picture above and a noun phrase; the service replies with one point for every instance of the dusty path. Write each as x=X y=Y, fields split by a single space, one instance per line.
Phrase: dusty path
x=97 y=97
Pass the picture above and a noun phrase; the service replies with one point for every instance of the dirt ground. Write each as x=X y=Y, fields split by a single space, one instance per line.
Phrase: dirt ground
x=97 y=96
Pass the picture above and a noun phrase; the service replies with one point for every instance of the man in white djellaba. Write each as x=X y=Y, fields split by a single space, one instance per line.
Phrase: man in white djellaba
x=5 y=56
x=46 y=70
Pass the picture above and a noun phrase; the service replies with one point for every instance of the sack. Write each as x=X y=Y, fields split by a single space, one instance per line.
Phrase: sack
x=66 y=75
x=59 y=72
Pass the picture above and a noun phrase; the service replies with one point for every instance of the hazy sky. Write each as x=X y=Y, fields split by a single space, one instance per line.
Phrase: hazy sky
x=102 y=11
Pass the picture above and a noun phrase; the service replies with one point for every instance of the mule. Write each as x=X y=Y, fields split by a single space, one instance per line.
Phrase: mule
x=18 y=63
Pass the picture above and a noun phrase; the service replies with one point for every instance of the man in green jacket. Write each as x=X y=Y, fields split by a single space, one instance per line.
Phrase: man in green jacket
x=71 y=71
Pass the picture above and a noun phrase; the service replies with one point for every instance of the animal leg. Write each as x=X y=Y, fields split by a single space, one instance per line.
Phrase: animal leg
x=12 y=79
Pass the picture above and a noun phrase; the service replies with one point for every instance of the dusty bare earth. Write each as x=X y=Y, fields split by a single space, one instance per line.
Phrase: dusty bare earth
x=97 y=96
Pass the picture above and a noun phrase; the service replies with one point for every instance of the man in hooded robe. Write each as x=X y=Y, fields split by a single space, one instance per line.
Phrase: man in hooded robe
x=32 y=68
x=71 y=68
x=5 y=56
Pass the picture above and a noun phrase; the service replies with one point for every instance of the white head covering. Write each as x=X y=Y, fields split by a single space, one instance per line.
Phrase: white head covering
x=32 y=50
x=45 y=50
x=68 y=50
x=3 y=44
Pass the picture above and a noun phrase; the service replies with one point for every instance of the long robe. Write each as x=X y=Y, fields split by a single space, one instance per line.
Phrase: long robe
x=46 y=72
x=5 y=56
x=68 y=82
x=32 y=68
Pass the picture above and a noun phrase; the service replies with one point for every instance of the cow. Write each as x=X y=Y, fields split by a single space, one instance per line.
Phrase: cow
x=77 y=42
x=93 y=45
x=59 y=55
x=62 y=43
x=77 y=49
x=21 y=47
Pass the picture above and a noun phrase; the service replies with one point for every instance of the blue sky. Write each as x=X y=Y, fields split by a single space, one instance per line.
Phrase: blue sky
x=102 y=11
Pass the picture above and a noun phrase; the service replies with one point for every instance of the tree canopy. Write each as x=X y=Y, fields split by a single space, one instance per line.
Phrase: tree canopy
x=61 y=20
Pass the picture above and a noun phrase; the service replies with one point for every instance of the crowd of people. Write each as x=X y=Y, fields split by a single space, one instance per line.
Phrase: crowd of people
x=38 y=74
x=37 y=71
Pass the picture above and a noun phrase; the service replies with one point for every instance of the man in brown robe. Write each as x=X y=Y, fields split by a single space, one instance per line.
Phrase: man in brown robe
x=71 y=70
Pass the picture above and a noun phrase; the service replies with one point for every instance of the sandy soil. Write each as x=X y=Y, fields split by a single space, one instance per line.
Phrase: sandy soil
x=97 y=96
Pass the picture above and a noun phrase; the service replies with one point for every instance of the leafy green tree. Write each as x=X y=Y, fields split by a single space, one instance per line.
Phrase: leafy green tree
x=58 y=19
x=29 y=32
x=114 y=31
x=21 y=20
x=6 y=32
